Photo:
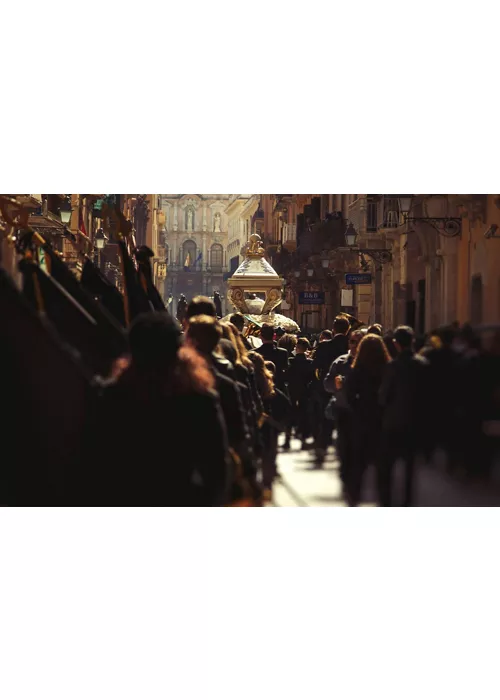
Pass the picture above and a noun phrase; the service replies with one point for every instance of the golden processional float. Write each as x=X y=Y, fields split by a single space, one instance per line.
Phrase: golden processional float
x=255 y=277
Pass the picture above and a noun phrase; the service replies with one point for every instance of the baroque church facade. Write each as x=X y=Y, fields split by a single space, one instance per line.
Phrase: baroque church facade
x=193 y=243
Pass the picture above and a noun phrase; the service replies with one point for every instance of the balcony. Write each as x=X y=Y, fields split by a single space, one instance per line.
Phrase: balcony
x=363 y=213
x=388 y=214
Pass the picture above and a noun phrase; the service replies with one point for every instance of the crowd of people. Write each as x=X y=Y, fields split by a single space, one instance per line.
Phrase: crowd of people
x=379 y=397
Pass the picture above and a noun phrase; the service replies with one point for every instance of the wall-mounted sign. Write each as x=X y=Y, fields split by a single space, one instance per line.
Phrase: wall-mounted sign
x=358 y=278
x=347 y=298
x=311 y=297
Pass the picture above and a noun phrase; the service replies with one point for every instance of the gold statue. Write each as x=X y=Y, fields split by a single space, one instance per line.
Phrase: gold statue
x=254 y=246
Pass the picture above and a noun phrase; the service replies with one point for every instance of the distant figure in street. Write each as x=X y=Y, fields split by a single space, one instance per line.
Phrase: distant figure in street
x=218 y=304
x=272 y=353
x=334 y=384
x=181 y=308
x=300 y=376
x=326 y=352
x=405 y=400
x=362 y=387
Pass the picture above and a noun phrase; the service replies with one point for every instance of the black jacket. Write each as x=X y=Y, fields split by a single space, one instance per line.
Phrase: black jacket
x=300 y=376
x=152 y=449
x=327 y=352
x=271 y=353
x=403 y=393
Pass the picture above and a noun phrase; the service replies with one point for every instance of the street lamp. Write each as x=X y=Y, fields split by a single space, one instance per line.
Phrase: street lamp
x=310 y=271
x=405 y=201
x=379 y=255
x=351 y=236
x=101 y=239
x=65 y=211
x=449 y=226
x=297 y=273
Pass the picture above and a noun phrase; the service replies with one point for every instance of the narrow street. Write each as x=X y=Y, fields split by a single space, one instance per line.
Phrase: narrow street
x=303 y=485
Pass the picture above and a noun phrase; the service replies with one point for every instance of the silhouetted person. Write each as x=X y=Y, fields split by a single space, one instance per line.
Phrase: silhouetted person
x=326 y=352
x=342 y=367
x=362 y=387
x=272 y=353
x=158 y=437
x=403 y=397
x=300 y=376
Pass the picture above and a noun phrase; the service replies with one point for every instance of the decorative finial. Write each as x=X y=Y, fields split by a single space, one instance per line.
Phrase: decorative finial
x=255 y=248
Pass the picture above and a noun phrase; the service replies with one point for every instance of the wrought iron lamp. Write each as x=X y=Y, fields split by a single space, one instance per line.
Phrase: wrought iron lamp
x=379 y=255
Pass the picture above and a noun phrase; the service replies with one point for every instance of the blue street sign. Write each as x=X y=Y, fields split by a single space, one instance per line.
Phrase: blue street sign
x=311 y=297
x=358 y=278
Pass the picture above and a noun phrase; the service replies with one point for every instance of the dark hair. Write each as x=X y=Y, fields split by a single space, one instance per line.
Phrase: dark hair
x=204 y=332
x=372 y=354
x=201 y=306
x=388 y=339
x=375 y=329
x=326 y=335
x=341 y=325
x=237 y=320
x=162 y=363
x=404 y=336
x=303 y=343
x=154 y=339
x=288 y=341
x=446 y=334
x=267 y=331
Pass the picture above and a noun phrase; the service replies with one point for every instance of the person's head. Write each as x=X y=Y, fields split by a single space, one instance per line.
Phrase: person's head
x=303 y=345
x=267 y=333
x=200 y=306
x=271 y=367
x=288 y=342
x=372 y=355
x=403 y=338
x=238 y=320
x=161 y=360
x=389 y=344
x=204 y=333
x=325 y=335
x=341 y=325
x=375 y=329
x=263 y=377
x=355 y=339
x=154 y=340
x=446 y=335
x=280 y=332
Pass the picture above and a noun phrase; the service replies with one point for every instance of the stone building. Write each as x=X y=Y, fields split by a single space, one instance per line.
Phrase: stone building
x=193 y=242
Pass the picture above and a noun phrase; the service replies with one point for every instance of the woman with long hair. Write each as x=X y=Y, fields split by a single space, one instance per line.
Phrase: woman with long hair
x=268 y=430
x=361 y=390
x=159 y=435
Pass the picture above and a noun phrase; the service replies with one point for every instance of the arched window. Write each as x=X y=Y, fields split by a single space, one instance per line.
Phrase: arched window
x=188 y=256
x=216 y=257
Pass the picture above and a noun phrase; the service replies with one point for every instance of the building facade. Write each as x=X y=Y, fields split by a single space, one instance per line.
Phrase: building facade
x=193 y=240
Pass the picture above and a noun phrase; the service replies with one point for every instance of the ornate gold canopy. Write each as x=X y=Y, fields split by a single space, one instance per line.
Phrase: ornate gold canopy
x=255 y=276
